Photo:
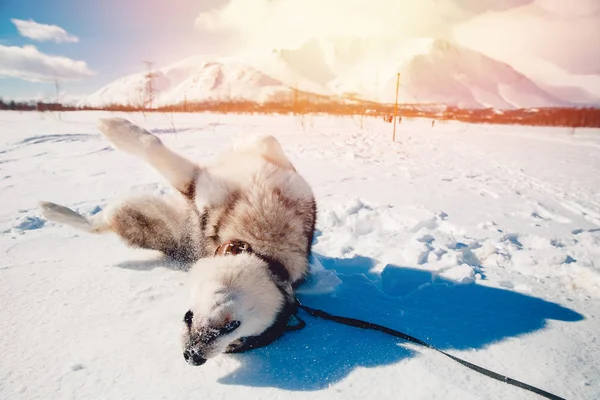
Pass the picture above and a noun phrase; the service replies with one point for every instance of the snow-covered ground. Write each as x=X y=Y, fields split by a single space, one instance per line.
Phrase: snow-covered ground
x=483 y=240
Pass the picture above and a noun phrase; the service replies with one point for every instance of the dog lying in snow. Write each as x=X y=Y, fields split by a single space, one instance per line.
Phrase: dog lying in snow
x=246 y=223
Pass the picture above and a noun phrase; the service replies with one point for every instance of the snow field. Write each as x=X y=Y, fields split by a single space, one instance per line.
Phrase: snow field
x=483 y=240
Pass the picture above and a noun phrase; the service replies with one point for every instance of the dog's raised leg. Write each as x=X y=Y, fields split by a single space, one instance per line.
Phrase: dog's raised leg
x=129 y=138
x=154 y=223
x=147 y=222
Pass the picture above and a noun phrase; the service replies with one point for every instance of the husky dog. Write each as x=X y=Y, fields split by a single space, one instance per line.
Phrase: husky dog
x=245 y=223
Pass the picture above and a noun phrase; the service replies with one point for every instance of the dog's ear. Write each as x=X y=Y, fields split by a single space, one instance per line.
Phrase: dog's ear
x=294 y=323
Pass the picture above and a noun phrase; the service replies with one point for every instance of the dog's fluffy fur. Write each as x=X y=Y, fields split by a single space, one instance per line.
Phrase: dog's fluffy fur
x=252 y=193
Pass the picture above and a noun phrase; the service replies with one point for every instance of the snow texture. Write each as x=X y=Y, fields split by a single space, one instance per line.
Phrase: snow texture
x=483 y=240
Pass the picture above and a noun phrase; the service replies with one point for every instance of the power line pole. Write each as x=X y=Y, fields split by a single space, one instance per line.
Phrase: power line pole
x=57 y=104
x=149 y=87
x=57 y=86
x=295 y=109
x=396 y=106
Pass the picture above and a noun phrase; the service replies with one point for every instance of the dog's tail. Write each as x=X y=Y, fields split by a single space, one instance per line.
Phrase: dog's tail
x=64 y=215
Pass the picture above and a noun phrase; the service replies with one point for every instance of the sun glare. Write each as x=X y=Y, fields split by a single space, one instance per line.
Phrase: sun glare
x=263 y=25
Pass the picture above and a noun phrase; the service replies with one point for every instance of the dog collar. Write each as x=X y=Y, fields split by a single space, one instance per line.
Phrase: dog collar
x=279 y=273
x=233 y=247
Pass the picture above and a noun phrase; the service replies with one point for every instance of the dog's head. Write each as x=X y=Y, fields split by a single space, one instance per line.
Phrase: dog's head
x=235 y=305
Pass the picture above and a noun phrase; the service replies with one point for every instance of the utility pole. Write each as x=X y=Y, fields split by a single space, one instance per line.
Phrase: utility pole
x=149 y=87
x=295 y=106
x=57 y=86
x=57 y=106
x=396 y=106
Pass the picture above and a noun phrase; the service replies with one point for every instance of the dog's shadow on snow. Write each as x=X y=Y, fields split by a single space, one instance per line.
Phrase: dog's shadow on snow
x=446 y=314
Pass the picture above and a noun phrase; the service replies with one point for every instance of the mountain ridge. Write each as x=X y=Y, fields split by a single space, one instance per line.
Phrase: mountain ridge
x=432 y=71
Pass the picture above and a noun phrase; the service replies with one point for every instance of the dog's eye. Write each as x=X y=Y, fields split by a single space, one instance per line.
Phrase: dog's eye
x=229 y=327
x=188 y=317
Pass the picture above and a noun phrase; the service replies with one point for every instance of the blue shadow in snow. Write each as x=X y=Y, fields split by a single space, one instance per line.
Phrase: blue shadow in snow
x=448 y=315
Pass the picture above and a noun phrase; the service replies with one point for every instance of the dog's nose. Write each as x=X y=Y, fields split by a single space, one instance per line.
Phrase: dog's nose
x=193 y=358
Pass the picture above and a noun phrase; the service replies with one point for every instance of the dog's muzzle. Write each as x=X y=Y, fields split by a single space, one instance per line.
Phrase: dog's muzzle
x=204 y=339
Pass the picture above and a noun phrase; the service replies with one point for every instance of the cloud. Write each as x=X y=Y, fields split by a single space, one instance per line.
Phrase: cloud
x=554 y=30
x=288 y=23
x=551 y=41
x=43 y=32
x=30 y=64
x=564 y=34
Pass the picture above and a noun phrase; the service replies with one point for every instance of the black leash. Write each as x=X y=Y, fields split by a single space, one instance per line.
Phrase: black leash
x=357 y=323
x=280 y=276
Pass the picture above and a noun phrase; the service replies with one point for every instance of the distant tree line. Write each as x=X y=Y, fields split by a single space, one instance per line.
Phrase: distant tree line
x=550 y=116
x=35 y=106
x=314 y=104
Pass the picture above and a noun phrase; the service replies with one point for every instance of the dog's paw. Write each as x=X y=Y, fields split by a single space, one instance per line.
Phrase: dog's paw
x=236 y=346
x=127 y=137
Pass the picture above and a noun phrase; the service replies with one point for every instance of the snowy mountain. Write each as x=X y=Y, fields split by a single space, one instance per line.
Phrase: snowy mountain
x=191 y=80
x=432 y=71
x=445 y=73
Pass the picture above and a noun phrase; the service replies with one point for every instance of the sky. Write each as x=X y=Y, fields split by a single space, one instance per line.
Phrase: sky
x=114 y=37
x=85 y=44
